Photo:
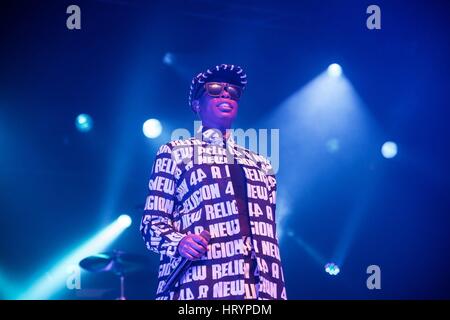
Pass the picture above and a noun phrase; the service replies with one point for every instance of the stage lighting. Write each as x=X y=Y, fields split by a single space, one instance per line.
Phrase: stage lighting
x=84 y=122
x=7 y=289
x=124 y=220
x=389 y=149
x=55 y=278
x=152 y=128
x=332 y=268
x=334 y=70
x=169 y=58
x=333 y=145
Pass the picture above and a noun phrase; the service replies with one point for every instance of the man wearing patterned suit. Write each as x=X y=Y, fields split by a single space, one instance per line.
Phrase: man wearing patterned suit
x=212 y=203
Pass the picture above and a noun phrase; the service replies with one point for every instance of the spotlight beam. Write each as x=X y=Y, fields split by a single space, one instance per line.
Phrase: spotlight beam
x=309 y=249
x=7 y=288
x=55 y=278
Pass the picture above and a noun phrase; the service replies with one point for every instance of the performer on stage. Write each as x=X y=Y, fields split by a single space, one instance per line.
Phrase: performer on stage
x=212 y=202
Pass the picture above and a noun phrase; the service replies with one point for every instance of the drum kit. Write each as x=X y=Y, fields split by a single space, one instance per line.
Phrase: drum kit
x=117 y=262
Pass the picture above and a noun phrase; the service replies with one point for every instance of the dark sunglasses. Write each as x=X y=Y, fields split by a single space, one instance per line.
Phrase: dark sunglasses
x=215 y=89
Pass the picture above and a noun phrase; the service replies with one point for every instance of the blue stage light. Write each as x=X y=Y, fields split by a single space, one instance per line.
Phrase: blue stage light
x=332 y=145
x=389 y=149
x=334 y=70
x=152 y=128
x=169 y=58
x=55 y=278
x=7 y=289
x=332 y=268
x=124 y=220
x=84 y=122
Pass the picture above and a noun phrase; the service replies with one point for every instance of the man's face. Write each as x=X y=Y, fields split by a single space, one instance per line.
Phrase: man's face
x=217 y=111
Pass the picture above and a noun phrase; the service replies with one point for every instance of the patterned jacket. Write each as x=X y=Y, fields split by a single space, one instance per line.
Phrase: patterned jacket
x=190 y=190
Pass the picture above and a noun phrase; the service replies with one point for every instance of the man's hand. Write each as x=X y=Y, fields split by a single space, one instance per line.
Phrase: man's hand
x=193 y=246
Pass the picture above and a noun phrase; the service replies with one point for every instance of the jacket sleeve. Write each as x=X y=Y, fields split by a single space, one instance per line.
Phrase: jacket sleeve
x=157 y=226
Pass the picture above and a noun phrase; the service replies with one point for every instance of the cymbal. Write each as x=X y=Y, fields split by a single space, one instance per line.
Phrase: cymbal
x=118 y=262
